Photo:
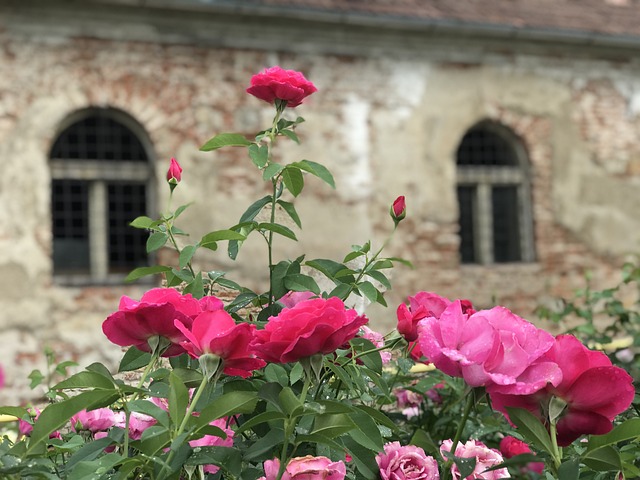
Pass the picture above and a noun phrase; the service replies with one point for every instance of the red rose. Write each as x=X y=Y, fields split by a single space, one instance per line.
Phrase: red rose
x=276 y=83
x=424 y=304
x=398 y=209
x=313 y=326
x=175 y=171
x=215 y=332
x=511 y=446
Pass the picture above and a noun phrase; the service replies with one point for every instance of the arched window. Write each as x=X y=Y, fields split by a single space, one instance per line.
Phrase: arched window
x=100 y=174
x=494 y=197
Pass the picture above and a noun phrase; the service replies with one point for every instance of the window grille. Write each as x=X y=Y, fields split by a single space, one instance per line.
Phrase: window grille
x=495 y=221
x=100 y=174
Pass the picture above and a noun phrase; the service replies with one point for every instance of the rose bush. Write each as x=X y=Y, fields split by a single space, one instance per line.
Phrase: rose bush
x=290 y=382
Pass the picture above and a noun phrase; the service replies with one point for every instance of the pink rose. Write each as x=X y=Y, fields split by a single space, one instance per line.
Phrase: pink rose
x=409 y=402
x=485 y=458
x=276 y=83
x=378 y=341
x=398 y=209
x=175 y=171
x=215 y=441
x=406 y=463
x=25 y=427
x=138 y=423
x=291 y=299
x=96 y=420
x=511 y=446
x=306 y=468
x=422 y=305
x=215 y=332
x=493 y=348
x=313 y=326
x=594 y=390
x=153 y=316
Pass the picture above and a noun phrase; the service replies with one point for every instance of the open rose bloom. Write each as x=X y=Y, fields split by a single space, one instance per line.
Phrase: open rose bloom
x=306 y=468
x=485 y=458
x=276 y=83
x=406 y=462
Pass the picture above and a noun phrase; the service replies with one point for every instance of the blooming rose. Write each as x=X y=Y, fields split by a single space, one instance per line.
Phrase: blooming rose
x=422 y=305
x=493 y=348
x=398 y=209
x=485 y=458
x=25 y=427
x=594 y=390
x=153 y=316
x=406 y=463
x=276 y=83
x=306 y=468
x=409 y=401
x=290 y=299
x=215 y=332
x=378 y=341
x=215 y=441
x=511 y=446
x=138 y=423
x=96 y=420
x=313 y=326
x=174 y=172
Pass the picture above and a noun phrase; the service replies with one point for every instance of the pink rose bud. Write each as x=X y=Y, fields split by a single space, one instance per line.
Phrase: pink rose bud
x=398 y=209
x=174 y=174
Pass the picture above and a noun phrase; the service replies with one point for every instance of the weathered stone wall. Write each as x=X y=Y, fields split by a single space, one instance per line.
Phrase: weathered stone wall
x=384 y=124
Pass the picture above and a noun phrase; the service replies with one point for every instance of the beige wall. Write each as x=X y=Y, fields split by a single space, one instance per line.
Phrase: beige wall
x=384 y=124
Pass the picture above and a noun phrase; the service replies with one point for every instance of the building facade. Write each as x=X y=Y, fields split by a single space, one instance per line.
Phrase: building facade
x=515 y=141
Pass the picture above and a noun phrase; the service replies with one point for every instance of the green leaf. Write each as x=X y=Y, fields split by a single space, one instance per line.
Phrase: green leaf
x=96 y=469
x=293 y=180
x=369 y=291
x=299 y=282
x=290 y=402
x=181 y=209
x=156 y=240
x=219 y=235
x=333 y=425
x=195 y=287
x=259 y=154
x=380 y=278
x=86 y=380
x=569 y=470
x=531 y=428
x=187 y=254
x=277 y=374
x=143 y=222
x=366 y=433
x=225 y=140
x=291 y=211
x=56 y=415
x=227 y=458
x=230 y=403
x=144 y=271
x=603 y=459
x=178 y=399
x=290 y=134
x=329 y=268
x=279 y=229
x=318 y=170
x=627 y=430
x=268 y=443
x=272 y=170
x=263 y=417
x=351 y=255
x=254 y=209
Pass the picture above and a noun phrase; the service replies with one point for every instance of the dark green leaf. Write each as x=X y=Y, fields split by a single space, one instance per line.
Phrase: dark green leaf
x=279 y=229
x=259 y=154
x=299 y=282
x=86 y=380
x=380 y=277
x=230 y=403
x=531 y=428
x=187 y=254
x=254 y=209
x=628 y=430
x=134 y=359
x=272 y=170
x=603 y=459
x=225 y=140
x=293 y=180
x=318 y=170
x=369 y=291
x=570 y=469
x=227 y=458
x=156 y=240
x=291 y=211
x=219 y=235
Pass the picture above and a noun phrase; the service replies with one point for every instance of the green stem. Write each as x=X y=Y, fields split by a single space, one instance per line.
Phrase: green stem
x=185 y=421
x=169 y=224
x=467 y=409
x=557 y=452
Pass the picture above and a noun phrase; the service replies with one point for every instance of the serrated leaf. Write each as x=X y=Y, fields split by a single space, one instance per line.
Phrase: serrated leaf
x=279 y=229
x=293 y=180
x=225 y=140
x=318 y=170
x=291 y=211
x=156 y=240
x=144 y=271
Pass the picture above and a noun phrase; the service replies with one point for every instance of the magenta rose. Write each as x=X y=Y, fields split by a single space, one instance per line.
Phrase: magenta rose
x=138 y=423
x=215 y=332
x=313 y=326
x=306 y=468
x=378 y=341
x=398 y=209
x=511 y=446
x=594 y=390
x=485 y=458
x=406 y=463
x=491 y=348
x=153 y=316
x=422 y=305
x=275 y=83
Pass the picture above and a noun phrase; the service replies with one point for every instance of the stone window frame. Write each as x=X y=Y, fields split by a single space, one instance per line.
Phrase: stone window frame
x=484 y=178
x=98 y=176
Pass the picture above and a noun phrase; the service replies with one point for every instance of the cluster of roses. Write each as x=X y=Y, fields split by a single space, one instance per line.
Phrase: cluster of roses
x=519 y=364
